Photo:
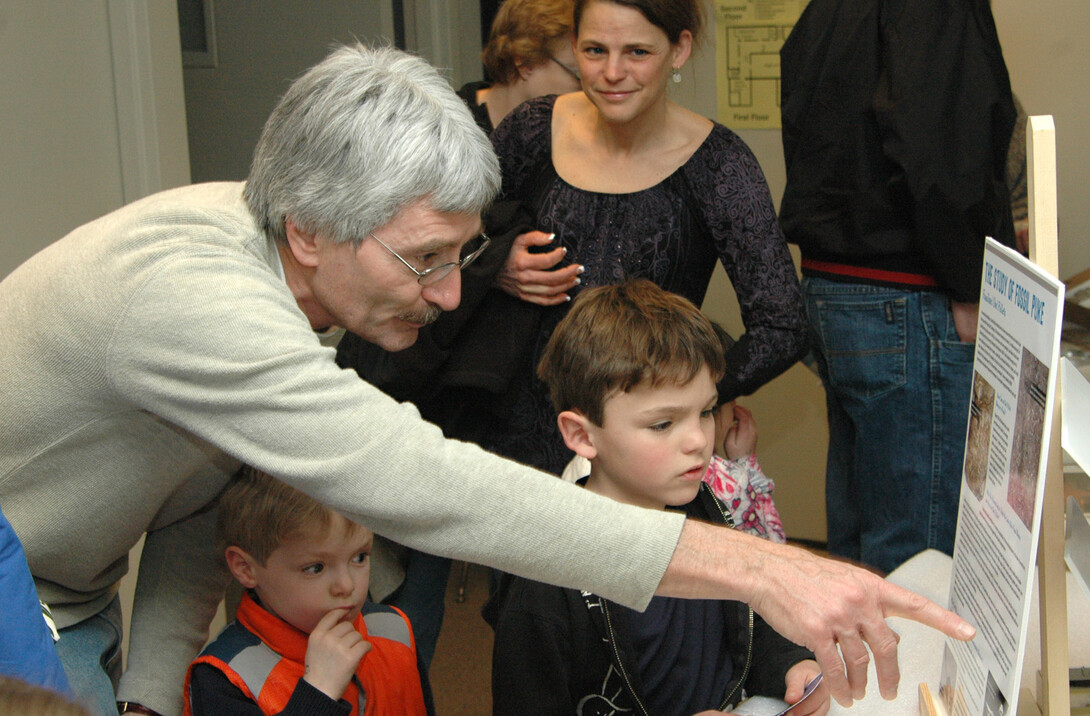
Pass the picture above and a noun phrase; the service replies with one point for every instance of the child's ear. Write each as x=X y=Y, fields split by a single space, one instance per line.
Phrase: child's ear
x=576 y=429
x=241 y=565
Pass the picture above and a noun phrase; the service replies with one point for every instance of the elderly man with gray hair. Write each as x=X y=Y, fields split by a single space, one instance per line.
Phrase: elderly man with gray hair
x=150 y=353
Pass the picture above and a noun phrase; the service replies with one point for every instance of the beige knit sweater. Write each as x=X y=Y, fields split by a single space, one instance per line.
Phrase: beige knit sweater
x=148 y=353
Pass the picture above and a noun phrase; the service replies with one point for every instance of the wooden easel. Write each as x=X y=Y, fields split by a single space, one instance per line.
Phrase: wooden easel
x=1053 y=697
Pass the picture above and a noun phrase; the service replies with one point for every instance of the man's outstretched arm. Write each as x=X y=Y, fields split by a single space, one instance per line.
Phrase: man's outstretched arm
x=819 y=603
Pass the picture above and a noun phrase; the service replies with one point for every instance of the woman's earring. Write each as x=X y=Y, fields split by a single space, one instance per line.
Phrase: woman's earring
x=676 y=75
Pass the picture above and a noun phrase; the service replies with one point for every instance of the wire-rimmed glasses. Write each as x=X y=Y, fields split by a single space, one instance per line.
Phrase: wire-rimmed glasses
x=470 y=251
x=568 y=68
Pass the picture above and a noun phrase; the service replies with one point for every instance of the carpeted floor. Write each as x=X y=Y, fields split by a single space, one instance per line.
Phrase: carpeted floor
x=462 y=667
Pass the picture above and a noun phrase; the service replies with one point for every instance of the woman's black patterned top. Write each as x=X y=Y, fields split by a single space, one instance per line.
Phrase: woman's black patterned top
x=717 y=205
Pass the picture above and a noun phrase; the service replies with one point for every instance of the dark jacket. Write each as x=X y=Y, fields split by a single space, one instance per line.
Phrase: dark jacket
x=897 y=116
x=561 y=651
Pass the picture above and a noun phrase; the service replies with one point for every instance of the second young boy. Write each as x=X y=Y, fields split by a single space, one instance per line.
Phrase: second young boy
x=304 y=641
x=632 y=372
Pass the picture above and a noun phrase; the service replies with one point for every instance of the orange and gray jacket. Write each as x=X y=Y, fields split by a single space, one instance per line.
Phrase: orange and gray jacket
x=262 y=657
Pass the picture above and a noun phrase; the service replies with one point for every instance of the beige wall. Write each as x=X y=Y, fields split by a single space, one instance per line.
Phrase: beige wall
x=90 y=115
x=261 y=48
x=1048 y=56
x=59 y=166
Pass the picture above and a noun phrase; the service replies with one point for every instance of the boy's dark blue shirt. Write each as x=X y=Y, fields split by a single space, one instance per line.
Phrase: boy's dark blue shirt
x=560 y=651
x=680 y=654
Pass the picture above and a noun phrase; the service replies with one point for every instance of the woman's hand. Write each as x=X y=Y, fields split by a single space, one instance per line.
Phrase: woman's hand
x=531 y=277
x=741 y=437
x=798 y=676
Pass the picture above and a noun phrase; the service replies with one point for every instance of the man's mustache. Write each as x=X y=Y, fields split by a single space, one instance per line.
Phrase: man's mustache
x=429 y=315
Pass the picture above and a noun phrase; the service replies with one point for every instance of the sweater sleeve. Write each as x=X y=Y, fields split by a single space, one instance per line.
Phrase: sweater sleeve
x=249 y=376
x=178 y=587
x=738 y=211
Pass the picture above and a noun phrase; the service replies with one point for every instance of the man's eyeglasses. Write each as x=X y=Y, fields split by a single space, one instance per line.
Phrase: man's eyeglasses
x=472 y=249
x=567 y=68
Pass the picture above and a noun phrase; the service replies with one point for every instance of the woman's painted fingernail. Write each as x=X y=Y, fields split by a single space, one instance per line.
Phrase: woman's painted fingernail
x=581 y=269
x=552 y=236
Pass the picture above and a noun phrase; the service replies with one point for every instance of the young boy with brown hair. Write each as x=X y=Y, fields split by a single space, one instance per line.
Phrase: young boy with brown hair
x=734 y=474
x=303 y=641
x=632 y=371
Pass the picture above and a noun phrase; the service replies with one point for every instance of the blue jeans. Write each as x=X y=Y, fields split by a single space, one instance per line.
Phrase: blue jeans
x=897 y=384
x=91 y=654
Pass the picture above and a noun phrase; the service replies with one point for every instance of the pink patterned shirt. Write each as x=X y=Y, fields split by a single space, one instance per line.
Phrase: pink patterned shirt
x=747 y=493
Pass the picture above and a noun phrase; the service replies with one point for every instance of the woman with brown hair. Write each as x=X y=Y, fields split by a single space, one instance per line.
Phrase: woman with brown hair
x=633 y=185
x=529 y=54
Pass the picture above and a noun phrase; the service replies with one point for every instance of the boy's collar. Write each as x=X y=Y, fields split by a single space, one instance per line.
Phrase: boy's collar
x=281 y=637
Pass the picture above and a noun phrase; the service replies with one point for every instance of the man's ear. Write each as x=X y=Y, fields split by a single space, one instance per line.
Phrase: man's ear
x=242 y=566
x=577 y=429
x=303 y=244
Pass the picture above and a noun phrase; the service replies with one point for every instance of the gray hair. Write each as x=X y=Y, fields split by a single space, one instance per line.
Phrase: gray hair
x=362 y=135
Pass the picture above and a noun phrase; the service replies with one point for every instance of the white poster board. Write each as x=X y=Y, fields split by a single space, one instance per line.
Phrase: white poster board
x=1014 y=387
